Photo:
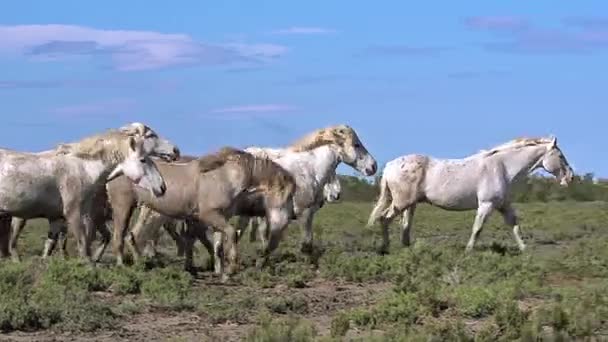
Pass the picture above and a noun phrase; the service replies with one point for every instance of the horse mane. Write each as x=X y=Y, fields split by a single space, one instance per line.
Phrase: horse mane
x=516 y=144
x=216 y=160
x=262 y=171
x=324 y=136
x=111 y=145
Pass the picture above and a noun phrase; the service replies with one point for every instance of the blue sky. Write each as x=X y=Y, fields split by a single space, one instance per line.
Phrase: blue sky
x=443 y=78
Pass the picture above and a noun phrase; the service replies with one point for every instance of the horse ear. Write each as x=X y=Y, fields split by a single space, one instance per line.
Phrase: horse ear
x=553 y=142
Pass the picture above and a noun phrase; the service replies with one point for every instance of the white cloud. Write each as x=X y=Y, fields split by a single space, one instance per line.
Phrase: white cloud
x=128 y=50
x=304 y=30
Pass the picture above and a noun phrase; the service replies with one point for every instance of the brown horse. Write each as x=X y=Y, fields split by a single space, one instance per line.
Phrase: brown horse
x=210 y=190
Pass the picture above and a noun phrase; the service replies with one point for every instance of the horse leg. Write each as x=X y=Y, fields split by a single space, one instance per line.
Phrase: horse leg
x=511 y=220
x=218 y=221
x=106 y=237
x=75 y=223
x=275 y=234
x=5 y=235
x=17 y=226
x=171 y=228
x=55 y=229
x=188 y=237
x=263 y=230
x=406 y=225
x=121 y=222
x=253 y=229
x=241 y=226
x=385 y=222
x=139 y=232
x=306 y=227
x=483 y=212
x=200 y=231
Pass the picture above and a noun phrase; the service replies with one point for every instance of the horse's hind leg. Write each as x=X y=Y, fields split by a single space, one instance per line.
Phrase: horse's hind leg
x=5 y=235
x=17 y=226
x=483 y=212
x=106 y=237
x=56 y=230
x=406 y=225
x=219 y=222
x=511 y=220
x=306 y=225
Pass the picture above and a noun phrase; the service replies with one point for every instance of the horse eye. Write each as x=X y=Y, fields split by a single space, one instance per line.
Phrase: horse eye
x=142 y=160
x=357 y=145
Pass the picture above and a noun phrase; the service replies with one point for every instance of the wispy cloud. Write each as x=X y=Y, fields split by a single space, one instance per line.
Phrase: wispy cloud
x=128 y=50
x=588 y=22
x=496 y=23
x=404 y=50
x=304 y=30
x=255 y=109
x=84 y=83
x=466 y=75
x=525 y=38
x=108 y=108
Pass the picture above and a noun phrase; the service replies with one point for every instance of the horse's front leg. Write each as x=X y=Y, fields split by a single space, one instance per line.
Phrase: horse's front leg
x=406 y=225
x=75 y=222
x=483 y=212
x=511 y=220
x=200 y=231
x=121 y=216
x=306 y=227
x=140 y=231
x=17 y=226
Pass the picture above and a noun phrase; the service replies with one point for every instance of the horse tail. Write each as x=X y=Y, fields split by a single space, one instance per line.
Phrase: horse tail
x=383 y=204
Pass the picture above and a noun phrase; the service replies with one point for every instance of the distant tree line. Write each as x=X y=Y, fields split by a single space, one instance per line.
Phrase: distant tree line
x=531 y=189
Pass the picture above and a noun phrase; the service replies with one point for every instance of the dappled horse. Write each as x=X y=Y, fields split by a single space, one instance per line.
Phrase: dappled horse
x=482 y=181
x=210 y=190
x=59 y=184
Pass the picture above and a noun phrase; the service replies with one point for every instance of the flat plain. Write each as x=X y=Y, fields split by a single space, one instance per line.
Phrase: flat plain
x=555 y=290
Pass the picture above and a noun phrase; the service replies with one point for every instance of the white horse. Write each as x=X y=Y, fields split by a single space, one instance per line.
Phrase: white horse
x=481 y=181
x=313 y=161
x=331 y=193
x=60 y=184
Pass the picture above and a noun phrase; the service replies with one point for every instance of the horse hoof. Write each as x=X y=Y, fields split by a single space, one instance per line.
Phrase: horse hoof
x=382 y=251
x=306 y=248
x=225 y=278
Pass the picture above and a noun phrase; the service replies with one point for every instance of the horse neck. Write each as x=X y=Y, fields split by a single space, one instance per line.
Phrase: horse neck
x=325 y=161
x=521 y=162
x=98 y=169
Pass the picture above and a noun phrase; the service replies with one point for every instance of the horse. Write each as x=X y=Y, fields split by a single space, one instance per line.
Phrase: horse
x=60 y=184
x=148 y=224
x=312 y=160
x=331 y=193
x=481 y=181
x=209 y=190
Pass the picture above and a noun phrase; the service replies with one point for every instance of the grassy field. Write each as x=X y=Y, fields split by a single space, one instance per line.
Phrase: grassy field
x=556 y=290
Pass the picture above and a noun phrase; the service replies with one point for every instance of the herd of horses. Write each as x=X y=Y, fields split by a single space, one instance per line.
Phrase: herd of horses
x=81 y=187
